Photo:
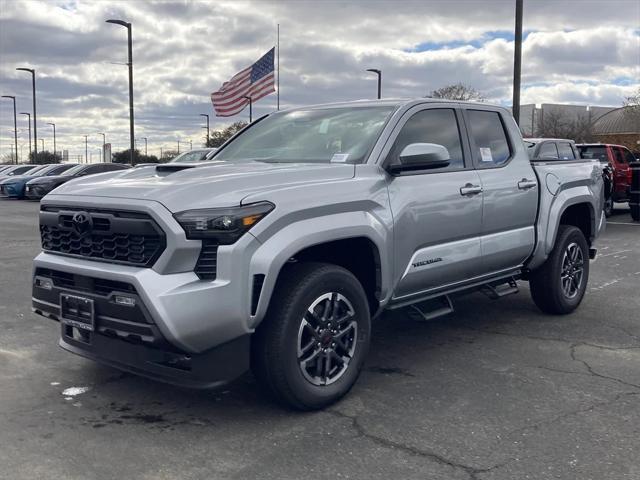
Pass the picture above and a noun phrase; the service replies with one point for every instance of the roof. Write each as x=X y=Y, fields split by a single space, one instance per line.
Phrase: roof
x=620 y=120
x=540 y=140
x=391 y=102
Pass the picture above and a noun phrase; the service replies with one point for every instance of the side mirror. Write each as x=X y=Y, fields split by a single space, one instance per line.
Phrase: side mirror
x=421 y=156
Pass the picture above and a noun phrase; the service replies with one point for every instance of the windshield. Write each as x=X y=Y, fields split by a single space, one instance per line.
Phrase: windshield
x=74 y=170
x=43 y=171
x=190 y=156
x=594 y=153
x=316 y=136
x=33 y=170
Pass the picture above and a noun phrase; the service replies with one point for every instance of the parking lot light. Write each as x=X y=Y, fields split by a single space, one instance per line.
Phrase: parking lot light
x=29 y=122
x=35 y=118
x=379 y=73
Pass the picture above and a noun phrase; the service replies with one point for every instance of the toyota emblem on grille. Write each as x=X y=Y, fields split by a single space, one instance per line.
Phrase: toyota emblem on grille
x=82 y=223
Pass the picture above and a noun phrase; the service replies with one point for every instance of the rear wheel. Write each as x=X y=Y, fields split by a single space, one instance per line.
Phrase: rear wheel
x=558 y=286
x=309 y=349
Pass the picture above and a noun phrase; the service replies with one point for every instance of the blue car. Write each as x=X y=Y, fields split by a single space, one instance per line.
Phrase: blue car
x=13 y=187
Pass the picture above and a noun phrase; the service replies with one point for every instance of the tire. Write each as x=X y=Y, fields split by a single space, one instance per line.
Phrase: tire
x=558 y=286
x=290 y=342
x=608 y=207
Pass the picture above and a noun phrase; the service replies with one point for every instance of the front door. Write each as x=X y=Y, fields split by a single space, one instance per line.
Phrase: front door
x=437 y=213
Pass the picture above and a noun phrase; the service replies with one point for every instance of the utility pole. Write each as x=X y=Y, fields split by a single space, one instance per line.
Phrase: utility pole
x=35 y=118
x=15 y=124
x=517 y=62
x=379 y=74
x=54 y=137
x=206 y=144
x=127 y=25
x=104 y=144
x=29 y=122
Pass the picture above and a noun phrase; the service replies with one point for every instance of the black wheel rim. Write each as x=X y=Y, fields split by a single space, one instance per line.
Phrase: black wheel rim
x=327 y=339
x=572 y=270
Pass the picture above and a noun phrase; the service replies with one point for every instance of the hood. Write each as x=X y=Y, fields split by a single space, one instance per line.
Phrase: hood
x=215 y=184
x=15 y=178
x=52 y=179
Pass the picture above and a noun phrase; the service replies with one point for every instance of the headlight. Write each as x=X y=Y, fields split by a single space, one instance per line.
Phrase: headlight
x=223 y=225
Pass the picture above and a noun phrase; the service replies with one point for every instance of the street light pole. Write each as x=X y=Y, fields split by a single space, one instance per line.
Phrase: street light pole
x=15 y=124
x=127 y=25
x=190 y=145
x=35 y=119
x=104 y=146
x=517 y=62
x=145 y=146
x=178 y=147
x=29 y=122
x=206 y=144
x=42 y=140
x=250 y=108
x=379 y=73
x=54 y=137
x=86 y=149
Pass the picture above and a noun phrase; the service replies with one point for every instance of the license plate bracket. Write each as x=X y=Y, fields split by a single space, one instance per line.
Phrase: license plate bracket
x=77 y=311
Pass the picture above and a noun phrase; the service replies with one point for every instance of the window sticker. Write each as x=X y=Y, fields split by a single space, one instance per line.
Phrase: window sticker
x=485 y=154
x=324 y=126
x=339 y=157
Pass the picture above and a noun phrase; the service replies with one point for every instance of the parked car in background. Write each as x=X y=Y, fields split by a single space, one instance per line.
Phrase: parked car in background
x=17 y=170
x=308 y=223
x=551 y=149
x=39 y=187
x=5 y=167
x=14 y=187
x=193 y=156
x=617 y=157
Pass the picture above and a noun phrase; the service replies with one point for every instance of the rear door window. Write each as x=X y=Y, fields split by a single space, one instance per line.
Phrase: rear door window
x=617 y=154
x=595 y=152
x=548 y=150
x=491 y=147
x=628 y=155
x=565 y=151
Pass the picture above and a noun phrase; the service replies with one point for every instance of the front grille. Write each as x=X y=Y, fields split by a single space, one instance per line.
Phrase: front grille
x=206 y=267
x=129 y=238
x=81 y=283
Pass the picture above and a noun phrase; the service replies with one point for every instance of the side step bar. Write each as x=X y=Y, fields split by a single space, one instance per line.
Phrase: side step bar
x=499 y=290
x=430 y=309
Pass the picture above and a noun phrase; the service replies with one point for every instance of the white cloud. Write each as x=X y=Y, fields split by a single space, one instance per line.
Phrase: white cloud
x=579 y=51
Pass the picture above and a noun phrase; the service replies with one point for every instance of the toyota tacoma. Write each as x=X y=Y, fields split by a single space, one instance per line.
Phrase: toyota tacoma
x=276 y=252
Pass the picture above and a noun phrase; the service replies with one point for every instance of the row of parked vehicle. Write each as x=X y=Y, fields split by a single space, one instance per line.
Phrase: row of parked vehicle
x=615 y=161
x=35 y=181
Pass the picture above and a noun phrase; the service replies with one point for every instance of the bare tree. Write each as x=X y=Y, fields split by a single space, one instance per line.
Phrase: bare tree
x=557 y=124
x=218 y=137
x=632 y=110
x=458 y=91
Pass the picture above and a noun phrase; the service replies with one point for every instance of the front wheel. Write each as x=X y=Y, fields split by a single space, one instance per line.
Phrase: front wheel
x=558 y=286
x=309 y=349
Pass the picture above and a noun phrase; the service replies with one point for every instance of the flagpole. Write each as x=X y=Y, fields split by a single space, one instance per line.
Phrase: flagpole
x=278 y=55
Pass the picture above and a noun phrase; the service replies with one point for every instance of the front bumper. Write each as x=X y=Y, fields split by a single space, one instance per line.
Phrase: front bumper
x=11 y=191
x=36 y=191
x=126 y=336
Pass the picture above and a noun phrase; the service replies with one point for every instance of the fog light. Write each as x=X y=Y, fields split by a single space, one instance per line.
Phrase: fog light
x=45 y=283
x=125 y=301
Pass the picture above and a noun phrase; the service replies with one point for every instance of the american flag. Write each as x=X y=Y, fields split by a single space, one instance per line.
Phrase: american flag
x=255 y=82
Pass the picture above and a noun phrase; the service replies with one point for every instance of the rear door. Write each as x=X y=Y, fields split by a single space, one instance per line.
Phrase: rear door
x=510 y=197
x=621 y=173
x=437 y=213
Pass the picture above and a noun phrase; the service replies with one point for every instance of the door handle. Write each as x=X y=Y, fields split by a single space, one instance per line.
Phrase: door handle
x=470 y=189
x=525 y=184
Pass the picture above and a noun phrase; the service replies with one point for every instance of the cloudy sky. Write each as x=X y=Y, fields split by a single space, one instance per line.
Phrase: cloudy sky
x=575 y=51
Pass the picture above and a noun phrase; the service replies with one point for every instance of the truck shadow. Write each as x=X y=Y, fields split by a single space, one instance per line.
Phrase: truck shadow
x=402 y=348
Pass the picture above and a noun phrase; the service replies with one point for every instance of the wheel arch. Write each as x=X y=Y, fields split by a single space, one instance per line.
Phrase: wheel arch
x=341 y=239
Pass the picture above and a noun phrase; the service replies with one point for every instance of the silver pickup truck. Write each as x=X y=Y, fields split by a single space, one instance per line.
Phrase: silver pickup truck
x=277 y=252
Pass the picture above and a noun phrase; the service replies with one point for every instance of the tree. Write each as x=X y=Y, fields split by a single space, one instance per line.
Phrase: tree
x=558 y=124
x=44 y=157
x=218 y=137
x=168 y=155
x=632 y=110
x=458 y=91
x=125 y=157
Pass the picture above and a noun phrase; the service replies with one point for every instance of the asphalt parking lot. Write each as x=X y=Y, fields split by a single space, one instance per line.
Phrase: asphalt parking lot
x=495 y=391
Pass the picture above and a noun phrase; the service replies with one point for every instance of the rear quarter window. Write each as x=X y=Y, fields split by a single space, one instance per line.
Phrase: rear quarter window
x=565 y=151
